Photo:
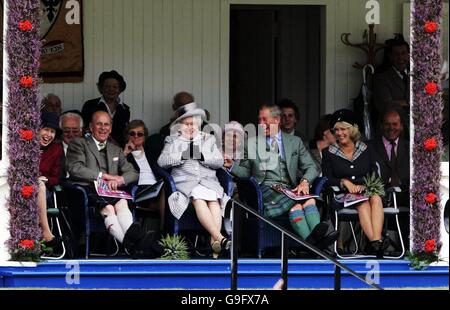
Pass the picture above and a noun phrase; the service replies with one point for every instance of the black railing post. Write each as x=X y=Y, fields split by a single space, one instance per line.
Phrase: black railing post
x=234 y=250
x=284 y=260
x=337 y=278
x=285 y=250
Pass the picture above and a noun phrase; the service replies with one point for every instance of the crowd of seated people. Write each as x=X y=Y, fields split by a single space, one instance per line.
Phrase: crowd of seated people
x=101 y=142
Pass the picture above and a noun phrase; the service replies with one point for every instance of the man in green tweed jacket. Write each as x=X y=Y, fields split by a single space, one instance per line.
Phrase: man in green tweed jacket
x=274 y=157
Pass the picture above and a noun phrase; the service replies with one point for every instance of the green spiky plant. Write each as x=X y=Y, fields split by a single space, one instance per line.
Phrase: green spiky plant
x=32 y=252
x=374 y=185
x=175 y=248
x=422 y=261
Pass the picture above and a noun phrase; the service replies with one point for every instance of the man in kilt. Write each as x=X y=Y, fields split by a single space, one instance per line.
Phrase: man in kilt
x=274 y=157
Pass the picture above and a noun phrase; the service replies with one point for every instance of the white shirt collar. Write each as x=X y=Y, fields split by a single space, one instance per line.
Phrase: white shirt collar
x=119 y=102
x=98 y=142
x=65 y=146
x=398 y=72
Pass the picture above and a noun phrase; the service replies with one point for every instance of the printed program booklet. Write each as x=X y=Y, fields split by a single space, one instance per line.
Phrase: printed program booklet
x=350 y=199
x=101 y=186
x=288 y=192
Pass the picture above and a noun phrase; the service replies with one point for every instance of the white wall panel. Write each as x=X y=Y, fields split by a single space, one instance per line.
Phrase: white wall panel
x=165 y=46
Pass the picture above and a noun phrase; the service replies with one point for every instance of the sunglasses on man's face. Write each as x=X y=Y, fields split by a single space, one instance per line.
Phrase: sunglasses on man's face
x=136 y=134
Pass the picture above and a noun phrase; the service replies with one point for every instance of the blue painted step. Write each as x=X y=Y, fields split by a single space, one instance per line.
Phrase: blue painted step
x=213 y=274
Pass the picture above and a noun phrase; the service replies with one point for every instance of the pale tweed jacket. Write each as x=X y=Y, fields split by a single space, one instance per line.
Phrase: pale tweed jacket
x=187 y=174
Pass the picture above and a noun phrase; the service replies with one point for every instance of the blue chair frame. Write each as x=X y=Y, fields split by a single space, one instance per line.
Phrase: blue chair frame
x=92 y=221
x=266 y=236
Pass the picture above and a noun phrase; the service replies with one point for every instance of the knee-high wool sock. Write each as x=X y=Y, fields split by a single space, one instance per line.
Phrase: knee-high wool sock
x=298 y=222
x=312 y=216
x=125 y=218
x=114 y=228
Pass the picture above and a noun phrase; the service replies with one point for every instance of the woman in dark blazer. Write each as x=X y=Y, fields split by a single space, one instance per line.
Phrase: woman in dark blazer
x=139 y=155
x=344 y=164
x=110 y=84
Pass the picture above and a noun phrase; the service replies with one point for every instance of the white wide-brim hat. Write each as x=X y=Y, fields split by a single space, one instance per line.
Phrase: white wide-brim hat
x=188 y=110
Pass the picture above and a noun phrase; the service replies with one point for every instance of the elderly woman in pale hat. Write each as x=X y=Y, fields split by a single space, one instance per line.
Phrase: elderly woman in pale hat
x=344 y=164
x=194 y=158
x=233 y=140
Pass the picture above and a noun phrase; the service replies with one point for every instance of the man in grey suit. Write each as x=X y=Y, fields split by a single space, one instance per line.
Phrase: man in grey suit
x=93 y=157
x=274 y=158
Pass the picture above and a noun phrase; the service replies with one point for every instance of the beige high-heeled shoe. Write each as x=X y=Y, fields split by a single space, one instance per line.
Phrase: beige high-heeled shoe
x=216 y=249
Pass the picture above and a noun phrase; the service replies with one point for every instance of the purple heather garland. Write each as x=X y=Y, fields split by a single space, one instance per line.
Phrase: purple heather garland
x=427 y=118
x=23 y=48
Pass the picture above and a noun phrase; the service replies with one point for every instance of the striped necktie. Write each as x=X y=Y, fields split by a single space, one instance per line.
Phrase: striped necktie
x=274 y=145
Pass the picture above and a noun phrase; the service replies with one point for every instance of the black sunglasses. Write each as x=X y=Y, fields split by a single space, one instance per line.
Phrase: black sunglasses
x=136 y=134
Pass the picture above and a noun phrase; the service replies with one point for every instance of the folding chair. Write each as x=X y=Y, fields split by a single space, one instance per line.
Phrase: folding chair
x=92 y=219
x=350 y=215
x=54 y=214
x=446 y=215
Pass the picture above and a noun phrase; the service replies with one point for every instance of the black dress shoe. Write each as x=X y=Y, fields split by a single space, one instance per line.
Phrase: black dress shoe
x=328 y=240
x=378 y=247
x=318 y=233
x=53 y=243
x=384 y=244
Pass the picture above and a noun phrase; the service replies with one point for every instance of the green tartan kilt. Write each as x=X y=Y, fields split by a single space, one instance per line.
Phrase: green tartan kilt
x=275 y=203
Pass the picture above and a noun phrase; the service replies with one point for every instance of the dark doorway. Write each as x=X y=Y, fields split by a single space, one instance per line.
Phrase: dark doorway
x=275 y=53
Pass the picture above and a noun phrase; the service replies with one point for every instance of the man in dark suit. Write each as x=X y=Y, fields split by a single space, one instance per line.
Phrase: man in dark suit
x=392 y=151
x=391 y=87
x=289 y=118
x=93 y=157
x=155 y=142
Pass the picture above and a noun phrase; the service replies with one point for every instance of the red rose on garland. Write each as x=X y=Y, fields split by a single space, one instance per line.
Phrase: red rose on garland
x=27 y=243
x=430 y=198
x=430 y=246
x=431 y=88
x=26 y=134
x=430 y=144
x=430 y=27
x=26 y=81
x=27 y=191
x=25 y=25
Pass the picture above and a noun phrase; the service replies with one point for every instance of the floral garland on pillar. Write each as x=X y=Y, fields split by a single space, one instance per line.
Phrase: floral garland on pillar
x=427 y=118
x=23 y=48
